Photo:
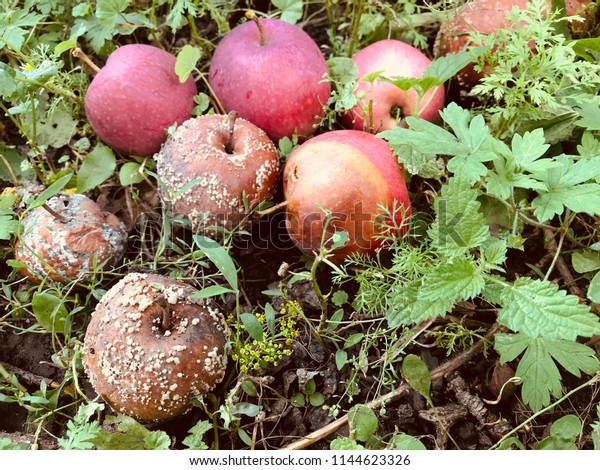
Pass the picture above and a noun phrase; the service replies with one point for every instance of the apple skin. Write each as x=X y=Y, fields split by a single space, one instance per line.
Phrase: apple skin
x=135 y=97
x=349 y=173
x=483 y=16
x=278 y=86
x=198 y=149
x=396 y=59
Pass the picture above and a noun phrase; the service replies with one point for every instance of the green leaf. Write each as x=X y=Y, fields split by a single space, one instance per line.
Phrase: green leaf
x=316 y=399
x=253 y=326
x=249 y=388
x=291 y=10
x=220 y=258
x=16 y=26
x=195 y=437
x=459 y=224
x=8 y=84
x=187 y=58
x=343 y=69
x=157 y=440
x=345 y=443
x=339 y=298
x=244 y=436
x=130 y=174
x=341 y=357
x=353 y=339
x=298 y=400
x=109 y=12
x=539 y=309
x=563 y=433
x=405 y=308
x=590 y=115
x=363 y=422
x=585 y=261
x=593 y=292
x=8 y=227
x=65 y=46
x=270 y=318
x=539 y=374
x=458 y=279
x=528 y=148
x=407 y=442
x=446 y=67
x=97 y=167
x=416 y=373
x=127 y=434
x=50 y=312
x=211 y=291
x=335 y=320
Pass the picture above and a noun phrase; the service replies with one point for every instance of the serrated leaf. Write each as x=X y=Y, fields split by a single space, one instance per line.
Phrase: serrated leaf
x=220 y=258
x=109 y=12
x=253 y=326
x=590 y=115
x=537 y=369
x=8 y=227
x=407 y=309
x=458 y=279
x=125 y=434
x=494 y=251
x=187 y=58
x=417 y=375
x=528 y=148
x=539 y=309
x=97 y=167
x=157 y=440
x=339 y=298
x=345 y=443
x=291 y=10
x=413 y=160
x=195 y=437
x=343 y=69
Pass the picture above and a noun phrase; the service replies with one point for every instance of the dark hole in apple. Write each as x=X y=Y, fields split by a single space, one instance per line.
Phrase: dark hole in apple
x=295 y=175
x=92 y=351
x=228 y=148
x=396 y=112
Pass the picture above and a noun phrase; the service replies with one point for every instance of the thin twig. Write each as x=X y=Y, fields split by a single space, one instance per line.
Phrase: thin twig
x=439 y=372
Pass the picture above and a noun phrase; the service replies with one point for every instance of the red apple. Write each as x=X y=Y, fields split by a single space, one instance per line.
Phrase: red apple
x=136 y=96
x=273 y=77
x=229 y=159
x=483 y=16
x=349 y=173
x=390 y=103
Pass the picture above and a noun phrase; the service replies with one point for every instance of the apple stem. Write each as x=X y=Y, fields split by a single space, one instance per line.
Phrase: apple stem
x=233 y=115
x=77 y=52
x=165 y=324
x=56 y=215
x=251 y=16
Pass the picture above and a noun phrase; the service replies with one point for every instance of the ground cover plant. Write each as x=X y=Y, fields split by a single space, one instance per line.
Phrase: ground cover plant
x=461 y=313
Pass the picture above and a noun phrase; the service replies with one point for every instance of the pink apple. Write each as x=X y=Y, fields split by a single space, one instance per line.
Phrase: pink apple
x=349 y=173
x=136 y=97
x=389 y=103
x=273 y=78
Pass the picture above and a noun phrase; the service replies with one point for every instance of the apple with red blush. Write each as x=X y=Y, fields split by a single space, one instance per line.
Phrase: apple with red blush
x=485 y=17
x=273 y=74
x=136 y=97
x=382 y=105
x=346 y=176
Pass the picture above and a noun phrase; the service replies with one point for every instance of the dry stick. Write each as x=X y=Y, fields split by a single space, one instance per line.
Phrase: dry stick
x=437 y=373
x=77 y=52
x=28 y=377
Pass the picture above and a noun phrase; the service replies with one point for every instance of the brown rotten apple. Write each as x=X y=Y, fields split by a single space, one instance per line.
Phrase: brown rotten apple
x=136 y=97
x=483 y=16
x=221 y=160
x=349 y=174
x=150 y=347
x=67 y=238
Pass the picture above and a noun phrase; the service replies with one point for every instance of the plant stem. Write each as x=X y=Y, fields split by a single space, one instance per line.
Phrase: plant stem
x=251 y=16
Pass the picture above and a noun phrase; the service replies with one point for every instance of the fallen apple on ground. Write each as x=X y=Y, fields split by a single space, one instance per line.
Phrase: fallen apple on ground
x=67 y=238
x=272 y=73
x=350 y=174
x=151 y=347
x=136 y=97
x=211 y=164
x=486 y=17
x=384 y=104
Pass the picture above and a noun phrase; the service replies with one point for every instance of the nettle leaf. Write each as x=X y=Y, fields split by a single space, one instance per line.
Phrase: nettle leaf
x=537 y=368
x=195 y=437
x=458 y=279
x=459 y=224
x=539 y=309
x=414 y=160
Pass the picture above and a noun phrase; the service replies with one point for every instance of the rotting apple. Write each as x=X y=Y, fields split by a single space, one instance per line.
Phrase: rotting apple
x=67 y=238
x=483 y=16
x=383 y=104
x=272 y=73
x=151 y=347
x=345 y=175
x=136 y=97
x=215 y=169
